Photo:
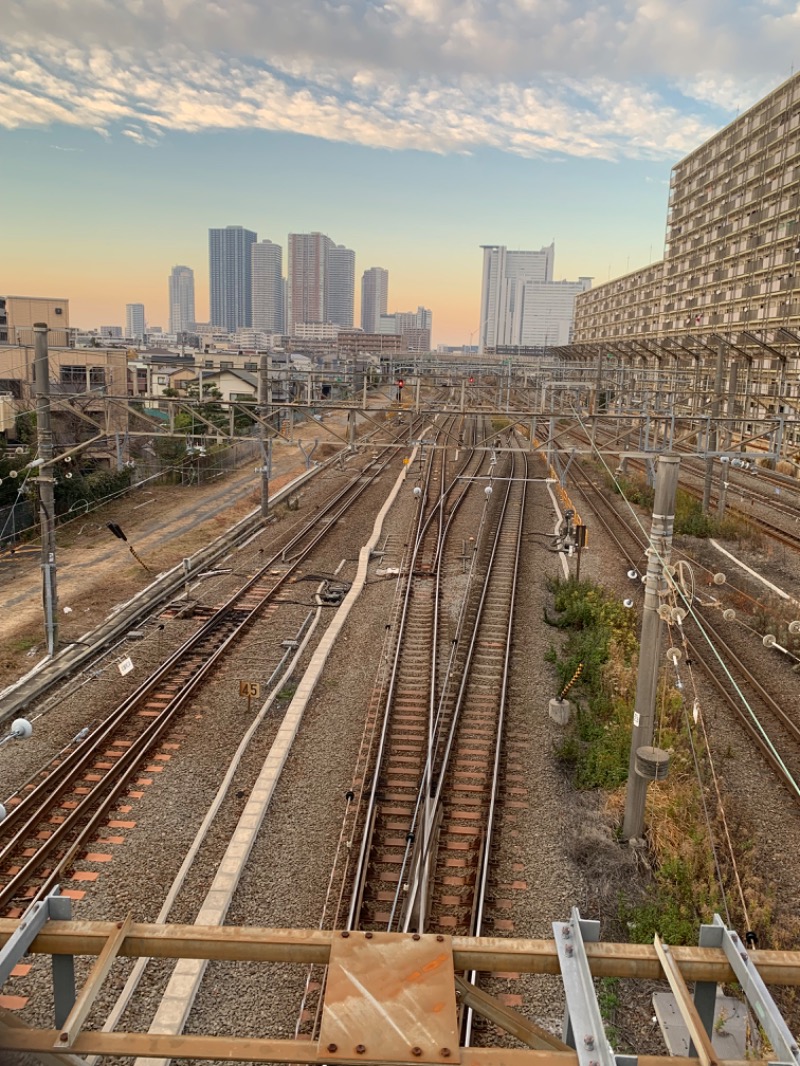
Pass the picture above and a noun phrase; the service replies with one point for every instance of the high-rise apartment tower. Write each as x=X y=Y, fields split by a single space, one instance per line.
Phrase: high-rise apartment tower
x=374 y=298
x=267 y=287
x=305 y=278
x=231 y=276
x=134 y=321
x=340 y=285
x=181 y=299
x=320 y=281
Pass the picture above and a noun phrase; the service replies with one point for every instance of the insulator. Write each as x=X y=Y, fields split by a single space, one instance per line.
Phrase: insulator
x=769 y=640
x=627 y=603
x=665 y=612
x=488 y=490
x=633 y=574
x=417 y=491
x=21 y=728
x=729 y=615
x=794 y=628
x=674 y=654
x=2 y=812
x=719 y=579
x=678 y=615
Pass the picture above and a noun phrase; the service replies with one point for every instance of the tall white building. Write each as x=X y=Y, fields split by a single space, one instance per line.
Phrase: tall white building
x=521 y=305
x=267 y=287
x=374 y=298
x=181 y=300
x=134 y=321
x=340 y=285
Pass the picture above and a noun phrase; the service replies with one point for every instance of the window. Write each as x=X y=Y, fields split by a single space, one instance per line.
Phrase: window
x=73 y=377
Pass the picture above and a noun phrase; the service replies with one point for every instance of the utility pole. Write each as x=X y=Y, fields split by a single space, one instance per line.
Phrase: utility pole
x=730 y=411
x=658 y=555
x=47 y=513
x=712 y=432
x=264 y=411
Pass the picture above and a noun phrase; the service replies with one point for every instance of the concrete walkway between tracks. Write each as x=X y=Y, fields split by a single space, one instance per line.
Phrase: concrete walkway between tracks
x=184 y=983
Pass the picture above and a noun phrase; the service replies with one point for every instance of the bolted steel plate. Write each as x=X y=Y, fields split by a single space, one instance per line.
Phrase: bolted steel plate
x=390 y=998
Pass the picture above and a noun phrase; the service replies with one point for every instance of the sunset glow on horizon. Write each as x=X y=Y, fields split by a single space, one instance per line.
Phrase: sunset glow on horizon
x=121 y=143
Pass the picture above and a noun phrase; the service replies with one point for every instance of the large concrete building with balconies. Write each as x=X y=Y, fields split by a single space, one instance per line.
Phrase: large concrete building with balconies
x=729 y=278
x=732 y=247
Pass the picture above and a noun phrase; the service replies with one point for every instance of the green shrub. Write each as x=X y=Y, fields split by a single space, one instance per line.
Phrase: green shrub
x=601 y=639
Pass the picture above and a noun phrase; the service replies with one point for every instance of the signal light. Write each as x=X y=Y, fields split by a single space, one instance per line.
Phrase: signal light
x=471 y=380
x=400 y=383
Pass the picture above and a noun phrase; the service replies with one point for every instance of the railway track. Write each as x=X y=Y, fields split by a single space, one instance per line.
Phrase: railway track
x=428 y=822
x=57 y=815
x=416 y=841
x=785 y=531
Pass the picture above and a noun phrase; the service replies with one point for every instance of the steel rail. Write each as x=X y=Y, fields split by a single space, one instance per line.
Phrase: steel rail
x=315 y=979
x=229 y=615
x=435 y=706
x=361 y=864
x=455 y=716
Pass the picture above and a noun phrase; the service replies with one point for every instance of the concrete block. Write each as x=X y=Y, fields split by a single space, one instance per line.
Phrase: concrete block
x=560 y=711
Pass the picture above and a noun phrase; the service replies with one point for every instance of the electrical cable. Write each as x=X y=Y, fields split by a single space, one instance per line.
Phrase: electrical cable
x=695 y=617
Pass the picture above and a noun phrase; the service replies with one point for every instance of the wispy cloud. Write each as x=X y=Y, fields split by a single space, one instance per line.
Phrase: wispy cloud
x=531 y=77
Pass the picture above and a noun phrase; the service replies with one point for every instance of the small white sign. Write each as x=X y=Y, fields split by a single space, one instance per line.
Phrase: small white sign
x=125 y=666
x=636 y=718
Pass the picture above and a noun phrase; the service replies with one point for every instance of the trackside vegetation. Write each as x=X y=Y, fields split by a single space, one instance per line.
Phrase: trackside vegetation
x=690 y=519
x=689 y=874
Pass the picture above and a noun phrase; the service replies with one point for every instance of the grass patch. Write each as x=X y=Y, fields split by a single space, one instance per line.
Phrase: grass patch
x=601 y=636
x=687 y=880
x=690 y=519
x=22 y=644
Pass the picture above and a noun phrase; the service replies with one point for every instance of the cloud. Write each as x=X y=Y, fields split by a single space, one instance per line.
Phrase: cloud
x=646 y=79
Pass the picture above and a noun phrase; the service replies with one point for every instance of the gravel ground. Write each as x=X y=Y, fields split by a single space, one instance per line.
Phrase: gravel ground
x=555 y=850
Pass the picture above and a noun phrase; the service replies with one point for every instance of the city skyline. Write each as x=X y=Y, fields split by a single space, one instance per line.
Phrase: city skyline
x=552 y=122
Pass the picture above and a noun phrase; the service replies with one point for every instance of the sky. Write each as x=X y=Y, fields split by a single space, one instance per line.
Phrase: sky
x=412 y=131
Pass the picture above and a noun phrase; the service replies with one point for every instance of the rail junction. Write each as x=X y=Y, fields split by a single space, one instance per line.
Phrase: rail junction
x=392 y=973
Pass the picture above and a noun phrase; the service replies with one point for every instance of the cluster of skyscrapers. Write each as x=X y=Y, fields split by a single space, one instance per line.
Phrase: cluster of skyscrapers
x=248 y=288
x=249 y=291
